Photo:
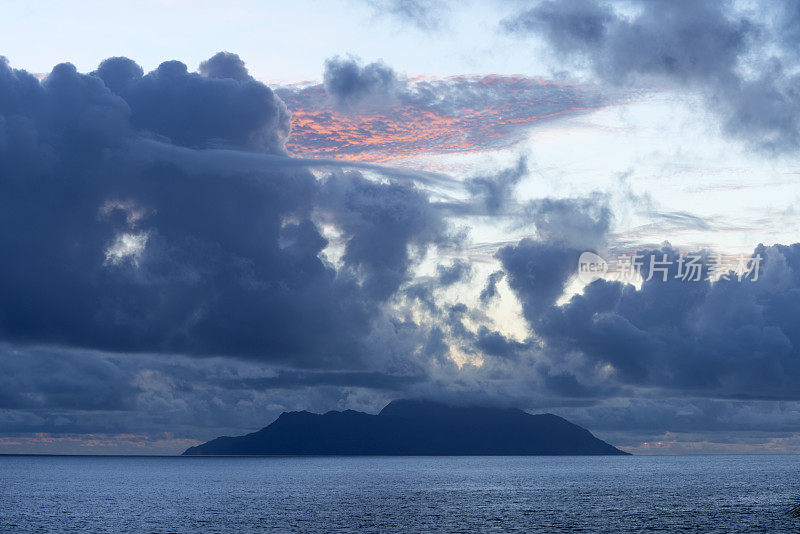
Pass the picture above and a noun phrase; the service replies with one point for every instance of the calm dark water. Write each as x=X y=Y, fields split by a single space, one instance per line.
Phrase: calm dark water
x=456 y=494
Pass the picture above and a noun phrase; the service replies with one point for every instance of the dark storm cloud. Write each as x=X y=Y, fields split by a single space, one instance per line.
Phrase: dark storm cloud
x=123 y=231
x=352 y=84
x=70 y=391
x=297 y=379
x=387 y=225
x=744 y=62
x=729 y=338
x=496 y=344
x=538 y=269
x=223 y=107
x=62 y=380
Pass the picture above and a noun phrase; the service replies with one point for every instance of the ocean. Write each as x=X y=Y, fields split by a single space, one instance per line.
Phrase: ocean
x=398 y=494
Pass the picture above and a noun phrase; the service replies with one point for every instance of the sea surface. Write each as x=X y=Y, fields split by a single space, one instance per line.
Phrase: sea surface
x=409 y=494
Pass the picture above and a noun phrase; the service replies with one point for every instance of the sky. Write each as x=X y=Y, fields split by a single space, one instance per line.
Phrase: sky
x=212 y=214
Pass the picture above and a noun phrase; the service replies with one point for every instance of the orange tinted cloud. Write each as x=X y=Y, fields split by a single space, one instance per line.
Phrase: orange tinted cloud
x=458 y=114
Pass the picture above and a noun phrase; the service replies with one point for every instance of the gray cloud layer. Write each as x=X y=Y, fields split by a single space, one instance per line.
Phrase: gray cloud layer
x=730 y=338
x=113 y=245
x=743 y=62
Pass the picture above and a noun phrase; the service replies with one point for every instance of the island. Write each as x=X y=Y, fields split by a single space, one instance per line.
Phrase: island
x=413 y=428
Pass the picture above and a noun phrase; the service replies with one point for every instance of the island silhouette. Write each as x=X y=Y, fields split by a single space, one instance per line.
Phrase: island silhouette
x=413 y=428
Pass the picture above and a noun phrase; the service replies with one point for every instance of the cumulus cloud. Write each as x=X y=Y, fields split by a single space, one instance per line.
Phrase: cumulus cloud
x=222 y=107
x=728 y=338
x=225 y=65
x=539 y=268
x=351 y=84
x=744 y=64
x=731 y=337
x=124 y=232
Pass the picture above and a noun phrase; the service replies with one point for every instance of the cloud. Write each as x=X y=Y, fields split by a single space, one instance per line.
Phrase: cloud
x=456 y=272
x=490 y=290
x=492 y=195
x=223 y=107
x=572 y=26
x=538 y=269
x=387 y=224
x=78 y=394
x=742 y=61
x=667 y=425
x=353 y=85
x=158 y=213
x=135 y=245
x=62 y=380
x=225 y=65
x=725 y=339
x=426 y=16
x=374 y=117
x=496 y=344
x=683 y=40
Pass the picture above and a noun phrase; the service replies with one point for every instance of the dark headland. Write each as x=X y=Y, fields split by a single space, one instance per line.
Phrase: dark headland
x=413 y=428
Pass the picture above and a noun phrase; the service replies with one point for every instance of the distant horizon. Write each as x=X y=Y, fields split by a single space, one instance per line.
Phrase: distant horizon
x=256 y=429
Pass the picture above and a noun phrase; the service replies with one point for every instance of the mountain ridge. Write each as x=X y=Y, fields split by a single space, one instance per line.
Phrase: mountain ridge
x=413 y=428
